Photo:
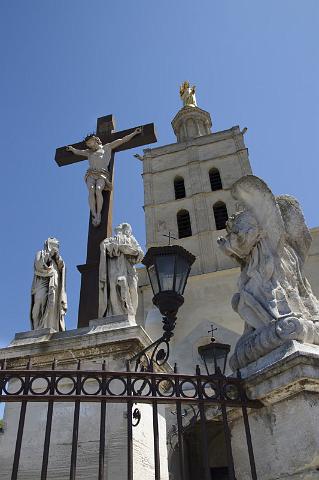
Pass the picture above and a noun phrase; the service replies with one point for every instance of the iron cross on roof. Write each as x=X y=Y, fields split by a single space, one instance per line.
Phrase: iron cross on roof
x=212 y=332
x=169 y=236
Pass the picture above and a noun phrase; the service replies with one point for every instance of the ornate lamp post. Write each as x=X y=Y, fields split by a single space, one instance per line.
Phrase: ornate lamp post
x=168 y=268
x=214 y=355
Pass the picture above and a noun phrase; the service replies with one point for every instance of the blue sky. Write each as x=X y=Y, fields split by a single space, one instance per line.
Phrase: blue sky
x=65 y=63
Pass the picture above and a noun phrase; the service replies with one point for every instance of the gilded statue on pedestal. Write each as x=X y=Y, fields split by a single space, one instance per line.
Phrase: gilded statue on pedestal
x=187 y=94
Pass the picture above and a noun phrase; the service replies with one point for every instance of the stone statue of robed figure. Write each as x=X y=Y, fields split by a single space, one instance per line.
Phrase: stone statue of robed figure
x=48 y=294
x=117 y=274
x=97 y=177
x=270 y=240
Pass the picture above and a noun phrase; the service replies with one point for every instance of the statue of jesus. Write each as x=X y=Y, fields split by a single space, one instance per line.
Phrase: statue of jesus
x=97 y=177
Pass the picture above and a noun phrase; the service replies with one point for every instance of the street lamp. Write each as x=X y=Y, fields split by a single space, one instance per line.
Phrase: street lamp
x=168 y=268
x=214 y=355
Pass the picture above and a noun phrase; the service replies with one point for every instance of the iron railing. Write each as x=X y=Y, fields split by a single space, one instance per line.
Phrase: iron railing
x=200 y=391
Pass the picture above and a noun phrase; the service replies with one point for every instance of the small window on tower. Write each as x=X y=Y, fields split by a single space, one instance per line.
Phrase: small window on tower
x=215 y=180
x=220 y=214
x=184 y=224
x=179 y=188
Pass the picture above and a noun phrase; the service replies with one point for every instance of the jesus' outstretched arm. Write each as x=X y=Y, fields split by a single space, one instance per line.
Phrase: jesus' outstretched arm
x=76 y=151
x=125 y=139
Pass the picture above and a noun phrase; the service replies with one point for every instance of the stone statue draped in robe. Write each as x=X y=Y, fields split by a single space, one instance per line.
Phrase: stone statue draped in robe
x=270 y=240
x=48 y=294
x=117 y=274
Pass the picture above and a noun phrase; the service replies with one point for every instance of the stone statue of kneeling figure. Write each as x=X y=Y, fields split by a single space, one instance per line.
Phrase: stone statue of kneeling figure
x=270 y=241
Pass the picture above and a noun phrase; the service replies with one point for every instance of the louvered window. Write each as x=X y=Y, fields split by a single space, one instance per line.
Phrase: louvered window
x=179 y=188
x=220 y=214
x=184 y=224
x=215 y=180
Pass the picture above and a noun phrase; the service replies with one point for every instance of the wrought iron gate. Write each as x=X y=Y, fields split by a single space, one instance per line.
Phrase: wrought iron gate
x=174 y=389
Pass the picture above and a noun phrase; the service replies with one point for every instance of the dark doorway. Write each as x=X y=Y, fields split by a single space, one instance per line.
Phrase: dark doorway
x=219 y=473
x=216 y=452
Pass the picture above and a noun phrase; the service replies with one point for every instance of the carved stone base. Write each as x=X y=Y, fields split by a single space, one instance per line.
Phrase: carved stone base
x=258 y=343
x=32 y=336
x=114 y=321
x=113 y=343
x=285 y=431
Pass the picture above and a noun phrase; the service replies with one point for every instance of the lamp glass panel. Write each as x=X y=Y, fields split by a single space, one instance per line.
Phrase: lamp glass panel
x=153 y=279
x=165 y=268
x=220 y=356
x=215 y=357
x=208 y=357
x=182 y=268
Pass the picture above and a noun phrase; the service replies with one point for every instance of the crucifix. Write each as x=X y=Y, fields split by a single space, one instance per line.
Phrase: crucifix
x=104 y=144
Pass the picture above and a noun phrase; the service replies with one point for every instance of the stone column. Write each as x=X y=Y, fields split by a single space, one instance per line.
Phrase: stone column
x=285 y=432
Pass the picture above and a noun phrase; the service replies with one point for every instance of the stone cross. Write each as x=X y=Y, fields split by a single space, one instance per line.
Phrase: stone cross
x=89 y=295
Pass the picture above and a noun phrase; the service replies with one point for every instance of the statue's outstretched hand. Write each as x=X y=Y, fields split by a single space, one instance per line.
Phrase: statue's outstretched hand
x=69 y=148
x=138 y=130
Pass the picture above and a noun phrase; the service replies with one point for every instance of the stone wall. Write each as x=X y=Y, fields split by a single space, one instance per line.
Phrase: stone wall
x=92 y=346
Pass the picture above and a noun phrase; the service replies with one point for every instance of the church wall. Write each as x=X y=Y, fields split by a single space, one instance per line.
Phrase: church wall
x=214 y=276
x=193 y=161
x=285 y=431
x=104 y=343
x=159 y=183
x=196 y=179
x=224 y=143
x=208 y=300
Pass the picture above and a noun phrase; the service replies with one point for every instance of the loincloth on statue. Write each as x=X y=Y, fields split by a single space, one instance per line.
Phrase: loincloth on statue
x=96 y=174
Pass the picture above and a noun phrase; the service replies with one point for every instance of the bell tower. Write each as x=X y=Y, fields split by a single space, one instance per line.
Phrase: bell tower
x=187 y=188
x=187 y=195
x=187 y=184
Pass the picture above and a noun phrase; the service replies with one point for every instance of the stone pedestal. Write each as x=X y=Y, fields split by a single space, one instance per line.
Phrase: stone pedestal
x=285 y=432
x=113 y=341
x=114 y=321
x=191 y=122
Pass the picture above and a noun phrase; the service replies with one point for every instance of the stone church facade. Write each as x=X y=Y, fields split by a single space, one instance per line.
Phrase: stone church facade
x=137 y=433
x=187 y=187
